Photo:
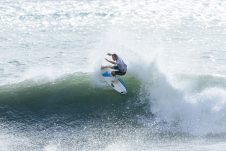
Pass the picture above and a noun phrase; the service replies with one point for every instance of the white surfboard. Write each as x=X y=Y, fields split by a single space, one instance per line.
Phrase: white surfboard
x=115 y=82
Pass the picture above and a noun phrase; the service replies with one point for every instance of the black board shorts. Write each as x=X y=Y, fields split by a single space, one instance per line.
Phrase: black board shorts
x=118 y=72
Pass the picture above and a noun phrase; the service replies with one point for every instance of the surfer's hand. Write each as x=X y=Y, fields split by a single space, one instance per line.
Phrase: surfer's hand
x=106 y=59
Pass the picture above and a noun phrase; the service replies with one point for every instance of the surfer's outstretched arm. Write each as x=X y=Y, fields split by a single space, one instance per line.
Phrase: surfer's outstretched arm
x=110 y=61
x=105 y=67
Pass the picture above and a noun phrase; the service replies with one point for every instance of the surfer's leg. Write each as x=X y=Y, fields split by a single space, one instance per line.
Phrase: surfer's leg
x=115 y=67
x=113 y=73
x=117 y=71
x=120 y=73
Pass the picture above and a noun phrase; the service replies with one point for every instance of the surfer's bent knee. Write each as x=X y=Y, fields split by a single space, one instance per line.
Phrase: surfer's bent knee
x=113 y=73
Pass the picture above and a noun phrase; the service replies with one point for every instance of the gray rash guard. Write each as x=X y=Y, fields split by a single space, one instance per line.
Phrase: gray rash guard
x=121 y=65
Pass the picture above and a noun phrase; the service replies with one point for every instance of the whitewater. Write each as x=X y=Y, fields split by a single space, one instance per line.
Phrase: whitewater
x=52 y=97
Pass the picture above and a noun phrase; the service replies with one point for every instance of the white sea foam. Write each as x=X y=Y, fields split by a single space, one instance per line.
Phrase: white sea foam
x=185 y=108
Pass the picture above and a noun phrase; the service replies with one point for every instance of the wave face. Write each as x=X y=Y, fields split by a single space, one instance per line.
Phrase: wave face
x=73 y=96
x=53 y=98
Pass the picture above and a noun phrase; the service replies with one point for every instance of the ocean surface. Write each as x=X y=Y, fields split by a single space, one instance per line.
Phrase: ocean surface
x=52 y=97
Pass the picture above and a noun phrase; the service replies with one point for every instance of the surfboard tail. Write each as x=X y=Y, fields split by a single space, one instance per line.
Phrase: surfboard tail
x=106 y=74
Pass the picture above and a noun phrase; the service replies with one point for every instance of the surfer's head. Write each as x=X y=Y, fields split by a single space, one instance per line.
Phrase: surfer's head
x=114 y=56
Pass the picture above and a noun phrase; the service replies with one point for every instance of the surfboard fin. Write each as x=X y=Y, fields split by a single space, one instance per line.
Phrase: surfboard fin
x=112 y=85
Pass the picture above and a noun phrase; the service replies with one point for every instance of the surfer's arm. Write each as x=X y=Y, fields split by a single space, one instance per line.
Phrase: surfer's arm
x=110 y=61
x=105 y=67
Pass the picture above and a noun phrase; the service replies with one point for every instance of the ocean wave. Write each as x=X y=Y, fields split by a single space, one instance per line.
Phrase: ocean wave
x=74 y=96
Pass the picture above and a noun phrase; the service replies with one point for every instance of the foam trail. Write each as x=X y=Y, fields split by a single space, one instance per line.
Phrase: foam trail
x=193 y=112
x=199 y=113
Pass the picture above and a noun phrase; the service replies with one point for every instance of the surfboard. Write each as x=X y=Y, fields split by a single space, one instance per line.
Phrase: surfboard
x=114 y=81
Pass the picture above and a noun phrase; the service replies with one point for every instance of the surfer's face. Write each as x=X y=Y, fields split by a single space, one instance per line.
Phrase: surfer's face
x=114 y=58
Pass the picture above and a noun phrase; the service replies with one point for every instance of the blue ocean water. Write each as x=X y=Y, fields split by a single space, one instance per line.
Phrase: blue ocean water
x=53 y=98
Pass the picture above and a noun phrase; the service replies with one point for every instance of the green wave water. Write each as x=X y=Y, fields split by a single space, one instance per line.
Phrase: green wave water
x=74 y=97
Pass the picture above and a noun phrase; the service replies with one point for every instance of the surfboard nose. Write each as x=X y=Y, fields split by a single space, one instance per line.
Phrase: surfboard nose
x=123 y=92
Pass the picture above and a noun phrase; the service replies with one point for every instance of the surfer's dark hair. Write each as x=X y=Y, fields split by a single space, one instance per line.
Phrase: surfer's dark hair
x=114 y=55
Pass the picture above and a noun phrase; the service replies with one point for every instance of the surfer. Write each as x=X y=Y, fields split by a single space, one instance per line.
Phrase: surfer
x=119 y=66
